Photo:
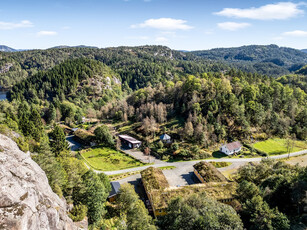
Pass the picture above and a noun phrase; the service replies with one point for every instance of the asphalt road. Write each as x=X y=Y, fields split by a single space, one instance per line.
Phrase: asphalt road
x=184 y=165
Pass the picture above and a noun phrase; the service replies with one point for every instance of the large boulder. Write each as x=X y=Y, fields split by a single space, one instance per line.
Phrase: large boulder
x=26 y=199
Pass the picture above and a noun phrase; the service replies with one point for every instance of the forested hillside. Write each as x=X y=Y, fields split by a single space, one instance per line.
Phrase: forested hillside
x=270 y=60
x=217 y=107
x=299 y=79
x=137 y=66
x=80 y=80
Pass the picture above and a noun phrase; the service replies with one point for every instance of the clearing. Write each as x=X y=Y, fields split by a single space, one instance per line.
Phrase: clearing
x=107 y=159
x=278 y=146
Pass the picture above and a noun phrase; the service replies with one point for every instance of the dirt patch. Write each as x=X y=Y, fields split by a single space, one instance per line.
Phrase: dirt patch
x=301 y=160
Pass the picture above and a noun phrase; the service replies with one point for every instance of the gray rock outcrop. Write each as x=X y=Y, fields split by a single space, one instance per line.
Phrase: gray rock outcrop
x=26 y=199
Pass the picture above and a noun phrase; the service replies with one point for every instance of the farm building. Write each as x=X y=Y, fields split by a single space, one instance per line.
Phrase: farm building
x=160 y=193
x=206 y=172
x=114 y=192
x=231 y=148
x=130 y=142
x=165 y=138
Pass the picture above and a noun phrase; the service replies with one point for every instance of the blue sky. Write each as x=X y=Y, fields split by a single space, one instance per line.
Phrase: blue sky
x=179 y=24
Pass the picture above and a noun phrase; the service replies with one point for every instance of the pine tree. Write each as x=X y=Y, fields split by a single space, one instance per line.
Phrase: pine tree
x=58 y=142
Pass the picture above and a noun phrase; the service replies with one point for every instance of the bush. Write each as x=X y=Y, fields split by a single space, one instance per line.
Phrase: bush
x=204 y=155
x=220 y=164
x=175 y=146
x=165 y=157
x=22 y=144
x=78 y=212
x=261 y=136
x=160 y=144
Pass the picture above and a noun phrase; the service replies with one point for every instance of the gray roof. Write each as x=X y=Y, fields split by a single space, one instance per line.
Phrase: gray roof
x=165 y=137
x=115 y=185
x=129 y=139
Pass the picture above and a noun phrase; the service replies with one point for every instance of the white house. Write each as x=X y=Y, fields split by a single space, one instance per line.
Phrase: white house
x=231 y=148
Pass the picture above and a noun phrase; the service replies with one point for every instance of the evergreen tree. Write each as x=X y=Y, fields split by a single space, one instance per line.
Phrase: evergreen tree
x=58 y=142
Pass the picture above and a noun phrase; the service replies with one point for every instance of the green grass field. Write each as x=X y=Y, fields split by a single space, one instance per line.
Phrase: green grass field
x=107 y=159
x=277 y=146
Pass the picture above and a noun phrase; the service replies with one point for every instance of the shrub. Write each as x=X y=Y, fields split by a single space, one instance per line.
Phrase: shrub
x=78 y=212
x=160 y=144
x=175 y=146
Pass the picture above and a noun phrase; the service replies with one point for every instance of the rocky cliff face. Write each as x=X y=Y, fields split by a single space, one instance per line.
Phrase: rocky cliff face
x=26 y=199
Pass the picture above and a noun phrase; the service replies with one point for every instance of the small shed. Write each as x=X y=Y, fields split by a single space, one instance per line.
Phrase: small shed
x=231 y=148
x=74 y=129
x=115 y=185
x=129 y=141
x=165 y=138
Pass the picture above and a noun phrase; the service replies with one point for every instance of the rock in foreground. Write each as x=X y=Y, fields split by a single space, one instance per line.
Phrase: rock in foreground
x=26 y=199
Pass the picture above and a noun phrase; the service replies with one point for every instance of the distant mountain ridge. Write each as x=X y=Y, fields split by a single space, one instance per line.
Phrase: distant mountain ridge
x=4 y=48
x=265 y=59
x=304 y=50
x=270 y=60
x=80 y=46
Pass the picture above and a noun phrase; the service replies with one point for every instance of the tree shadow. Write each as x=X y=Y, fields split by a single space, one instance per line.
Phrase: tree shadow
x=218 y=154
x=277 y=152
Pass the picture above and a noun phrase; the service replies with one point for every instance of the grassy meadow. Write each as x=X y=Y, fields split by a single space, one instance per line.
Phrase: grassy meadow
x=107 y=159
x=275 y=146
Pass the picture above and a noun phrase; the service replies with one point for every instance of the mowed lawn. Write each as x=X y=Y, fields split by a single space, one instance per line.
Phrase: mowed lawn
x=107 y=159
x=277 y=146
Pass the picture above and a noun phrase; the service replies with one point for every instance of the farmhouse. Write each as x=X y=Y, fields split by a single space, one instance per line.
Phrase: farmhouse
x=130 y=142
x=114 y=192
x=160 y=193
x=231 y=148
x=206 y=172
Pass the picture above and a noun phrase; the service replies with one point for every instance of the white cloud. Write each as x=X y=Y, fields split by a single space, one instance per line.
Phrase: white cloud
x=232 y=26
x=46 y=33
x=164 y=24
x=296 y=33
x=161 y=39
x=12 y=25
x=281 y=10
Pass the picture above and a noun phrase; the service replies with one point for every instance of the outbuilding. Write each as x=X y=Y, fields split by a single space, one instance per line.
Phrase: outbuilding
x=130 y=142
x=115 y=186
x=165 y=138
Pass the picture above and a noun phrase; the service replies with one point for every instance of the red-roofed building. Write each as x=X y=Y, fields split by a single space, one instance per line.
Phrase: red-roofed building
x=231 y=148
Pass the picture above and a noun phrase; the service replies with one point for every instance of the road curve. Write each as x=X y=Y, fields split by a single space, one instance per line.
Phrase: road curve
x=190 y=163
